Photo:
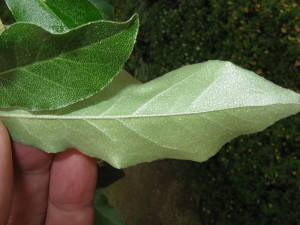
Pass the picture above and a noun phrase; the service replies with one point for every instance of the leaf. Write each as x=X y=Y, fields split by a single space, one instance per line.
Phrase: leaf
x=106 y=7
x=189 y=113
x=40 y=70
x=104 y=213
x=57 y=16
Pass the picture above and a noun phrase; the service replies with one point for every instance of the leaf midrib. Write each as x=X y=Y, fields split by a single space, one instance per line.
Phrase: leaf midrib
x=59 y=117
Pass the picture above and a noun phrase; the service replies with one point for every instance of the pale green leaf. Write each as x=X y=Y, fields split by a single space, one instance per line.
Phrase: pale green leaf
x=56 y=15
x=189 y=113
x=41 y=70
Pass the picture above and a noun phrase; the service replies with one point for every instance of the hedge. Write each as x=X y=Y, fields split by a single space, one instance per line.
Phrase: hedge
x=262 y=36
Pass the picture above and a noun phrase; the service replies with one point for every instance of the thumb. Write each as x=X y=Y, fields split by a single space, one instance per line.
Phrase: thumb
x=6 y=174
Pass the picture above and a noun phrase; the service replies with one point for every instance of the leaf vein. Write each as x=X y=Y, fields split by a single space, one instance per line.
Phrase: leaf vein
x=142 y=107
x=146 y=138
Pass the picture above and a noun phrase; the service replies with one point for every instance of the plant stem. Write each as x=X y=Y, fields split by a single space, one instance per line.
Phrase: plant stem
x=2 y=26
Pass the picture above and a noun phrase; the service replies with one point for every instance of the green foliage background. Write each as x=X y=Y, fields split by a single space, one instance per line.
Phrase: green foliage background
x=254 y=179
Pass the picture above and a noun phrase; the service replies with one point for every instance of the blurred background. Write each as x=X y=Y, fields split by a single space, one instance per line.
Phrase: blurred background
x=253 y=180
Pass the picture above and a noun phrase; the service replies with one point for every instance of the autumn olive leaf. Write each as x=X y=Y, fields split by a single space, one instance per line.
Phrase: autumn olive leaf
x=59 y=16
x=189 y=113
x=40 y=70
x=106 y=7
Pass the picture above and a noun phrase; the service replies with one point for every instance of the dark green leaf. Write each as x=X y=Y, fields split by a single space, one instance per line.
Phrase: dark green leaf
x=106 y=7
x=55 y=15
x=40 y=70
x=104 y=213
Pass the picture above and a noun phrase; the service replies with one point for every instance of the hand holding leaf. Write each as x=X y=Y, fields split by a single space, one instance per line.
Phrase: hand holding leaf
x=42 y=188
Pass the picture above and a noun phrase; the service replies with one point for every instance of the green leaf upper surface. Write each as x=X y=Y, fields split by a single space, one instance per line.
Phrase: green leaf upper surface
x=104 y=213
x=106 y=7
x=56 y=15
x=41 y=70
x=189 y=113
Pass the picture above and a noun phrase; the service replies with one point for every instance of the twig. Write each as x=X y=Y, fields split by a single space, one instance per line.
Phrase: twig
x=2 y=26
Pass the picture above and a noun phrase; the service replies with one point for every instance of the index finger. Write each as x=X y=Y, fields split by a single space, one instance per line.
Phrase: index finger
x=72 y=188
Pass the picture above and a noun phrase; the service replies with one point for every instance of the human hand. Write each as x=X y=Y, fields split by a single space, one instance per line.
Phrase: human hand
x=40 y=188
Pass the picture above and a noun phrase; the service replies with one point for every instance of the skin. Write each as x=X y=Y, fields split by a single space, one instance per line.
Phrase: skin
x=39 y=188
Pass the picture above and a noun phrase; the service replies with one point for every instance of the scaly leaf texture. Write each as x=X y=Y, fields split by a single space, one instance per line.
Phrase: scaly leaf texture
x=189 y=113
x=40 y=70
x=104 y=213
x=56 y=16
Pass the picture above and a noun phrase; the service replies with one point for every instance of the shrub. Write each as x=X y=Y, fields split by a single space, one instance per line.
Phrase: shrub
x=259 y=35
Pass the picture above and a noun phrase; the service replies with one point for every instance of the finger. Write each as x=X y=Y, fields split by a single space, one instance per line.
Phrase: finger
x=72 y=189
x=6 y=174
x=31 y=181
